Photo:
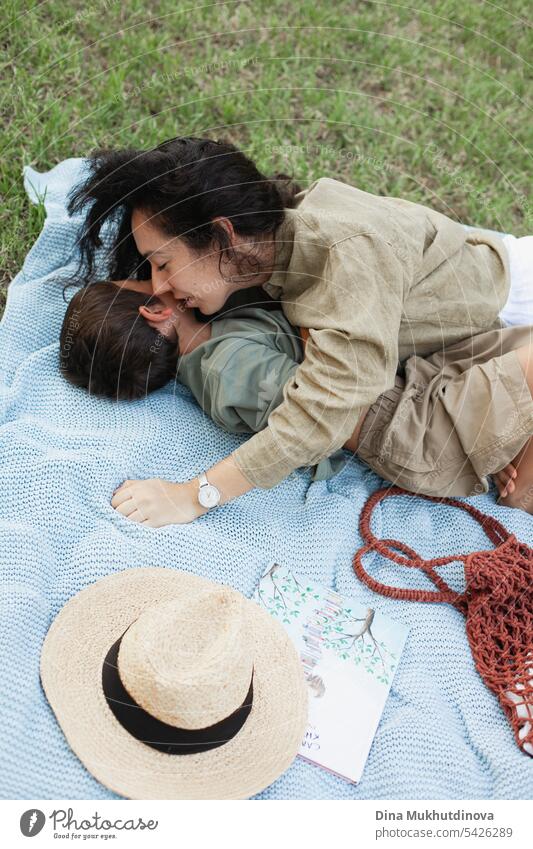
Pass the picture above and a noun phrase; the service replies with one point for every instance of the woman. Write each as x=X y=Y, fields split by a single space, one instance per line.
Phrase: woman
x=397 y=299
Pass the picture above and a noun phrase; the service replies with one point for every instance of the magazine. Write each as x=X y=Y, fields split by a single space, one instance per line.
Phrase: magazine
x=350 y=653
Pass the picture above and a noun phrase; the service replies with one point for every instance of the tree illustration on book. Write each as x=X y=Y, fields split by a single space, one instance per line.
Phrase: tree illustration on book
x=349 y=653
x=286 y=596
x=360 y=646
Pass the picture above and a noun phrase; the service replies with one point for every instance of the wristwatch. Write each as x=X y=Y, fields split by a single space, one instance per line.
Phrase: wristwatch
x=208 y=494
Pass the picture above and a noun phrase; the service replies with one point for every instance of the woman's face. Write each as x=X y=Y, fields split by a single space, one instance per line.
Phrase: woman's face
x=177 y=269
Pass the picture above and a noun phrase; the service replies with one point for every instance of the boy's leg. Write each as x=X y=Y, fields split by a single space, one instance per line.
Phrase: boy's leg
x=455 y=418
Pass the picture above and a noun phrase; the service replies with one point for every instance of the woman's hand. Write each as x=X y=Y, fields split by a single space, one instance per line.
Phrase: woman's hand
x=156 y=502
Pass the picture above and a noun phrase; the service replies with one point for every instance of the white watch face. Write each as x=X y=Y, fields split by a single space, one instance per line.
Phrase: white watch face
x=208 y=496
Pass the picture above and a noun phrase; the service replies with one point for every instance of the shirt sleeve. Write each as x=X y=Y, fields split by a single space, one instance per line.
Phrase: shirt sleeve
x=353 y=311
x=239 y=382
x=242 y=395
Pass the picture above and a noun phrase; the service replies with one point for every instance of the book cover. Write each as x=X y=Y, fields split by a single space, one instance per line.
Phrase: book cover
x=349 y=652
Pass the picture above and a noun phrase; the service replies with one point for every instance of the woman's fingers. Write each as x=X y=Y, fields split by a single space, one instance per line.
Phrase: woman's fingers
x=123 y=493
x=120 y=498
x=128 y=507
x=135 y=516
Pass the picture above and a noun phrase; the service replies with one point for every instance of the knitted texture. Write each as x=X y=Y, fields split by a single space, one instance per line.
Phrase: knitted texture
x=497 y=601
x=251 y=759
x=62 y=453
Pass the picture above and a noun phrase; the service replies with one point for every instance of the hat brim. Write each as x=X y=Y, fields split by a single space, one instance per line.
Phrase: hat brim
x=71 y=674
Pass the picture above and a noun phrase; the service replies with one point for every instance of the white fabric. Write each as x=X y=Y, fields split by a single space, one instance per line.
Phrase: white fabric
x=519 y=306
x=442 y=735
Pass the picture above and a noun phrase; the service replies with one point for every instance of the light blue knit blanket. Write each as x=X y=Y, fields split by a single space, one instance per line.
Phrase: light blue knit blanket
x=62 y=453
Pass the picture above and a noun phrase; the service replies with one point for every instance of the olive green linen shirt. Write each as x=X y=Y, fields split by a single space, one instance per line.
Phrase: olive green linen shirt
x=237 y=376
x=375 y=279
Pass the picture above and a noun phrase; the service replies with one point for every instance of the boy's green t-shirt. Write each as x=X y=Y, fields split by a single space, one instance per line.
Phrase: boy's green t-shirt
x=238 y=376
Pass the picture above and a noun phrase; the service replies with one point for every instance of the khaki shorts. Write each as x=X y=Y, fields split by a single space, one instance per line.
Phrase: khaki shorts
x=452 y=418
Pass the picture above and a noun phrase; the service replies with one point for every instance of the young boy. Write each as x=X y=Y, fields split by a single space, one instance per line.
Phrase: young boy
x=120 y=341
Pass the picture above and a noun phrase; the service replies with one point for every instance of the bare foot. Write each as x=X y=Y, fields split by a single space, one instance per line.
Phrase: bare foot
x=515 y=481
x=521 y=496
x=504 y=480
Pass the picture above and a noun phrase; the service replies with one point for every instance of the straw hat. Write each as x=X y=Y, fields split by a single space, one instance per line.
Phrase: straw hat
x=171 y=686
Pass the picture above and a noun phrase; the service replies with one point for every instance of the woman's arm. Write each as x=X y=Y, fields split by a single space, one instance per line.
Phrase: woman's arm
x=355 y=308
x=236 y=381
x=156 y=502
x=227 y=388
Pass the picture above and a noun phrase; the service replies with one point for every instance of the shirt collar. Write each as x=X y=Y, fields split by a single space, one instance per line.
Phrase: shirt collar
x=284 y=242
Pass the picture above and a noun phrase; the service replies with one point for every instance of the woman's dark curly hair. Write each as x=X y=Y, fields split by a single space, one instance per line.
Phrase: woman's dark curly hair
x=184 y=183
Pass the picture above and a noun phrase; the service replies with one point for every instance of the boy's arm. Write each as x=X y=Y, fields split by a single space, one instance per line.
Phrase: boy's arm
x=237 y=381
x=248 y=386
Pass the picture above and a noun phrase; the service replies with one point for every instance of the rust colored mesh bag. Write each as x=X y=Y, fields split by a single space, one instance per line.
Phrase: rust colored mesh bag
x=497 y=602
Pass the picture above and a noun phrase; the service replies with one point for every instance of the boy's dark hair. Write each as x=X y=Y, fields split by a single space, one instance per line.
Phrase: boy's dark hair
x=184 y=183
x=108 y=348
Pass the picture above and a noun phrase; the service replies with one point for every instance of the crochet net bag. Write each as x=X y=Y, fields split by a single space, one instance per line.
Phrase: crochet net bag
x=497 y=602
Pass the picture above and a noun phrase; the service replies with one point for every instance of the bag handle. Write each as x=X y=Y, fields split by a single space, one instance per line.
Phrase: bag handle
x=496 y=532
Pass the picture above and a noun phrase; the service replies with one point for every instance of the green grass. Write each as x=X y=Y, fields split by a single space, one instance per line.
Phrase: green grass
x=426 y=101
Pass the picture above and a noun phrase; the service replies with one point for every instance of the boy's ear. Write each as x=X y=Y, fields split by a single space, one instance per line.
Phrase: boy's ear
x=155 y=312
x=225 y=223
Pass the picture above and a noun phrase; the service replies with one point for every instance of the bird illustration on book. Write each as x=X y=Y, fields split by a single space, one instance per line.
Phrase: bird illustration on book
x=277 y=593
x=286 y=595
x=316 y=686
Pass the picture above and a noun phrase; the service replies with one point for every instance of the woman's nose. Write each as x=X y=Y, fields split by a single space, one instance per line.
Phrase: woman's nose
x=160 y=287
